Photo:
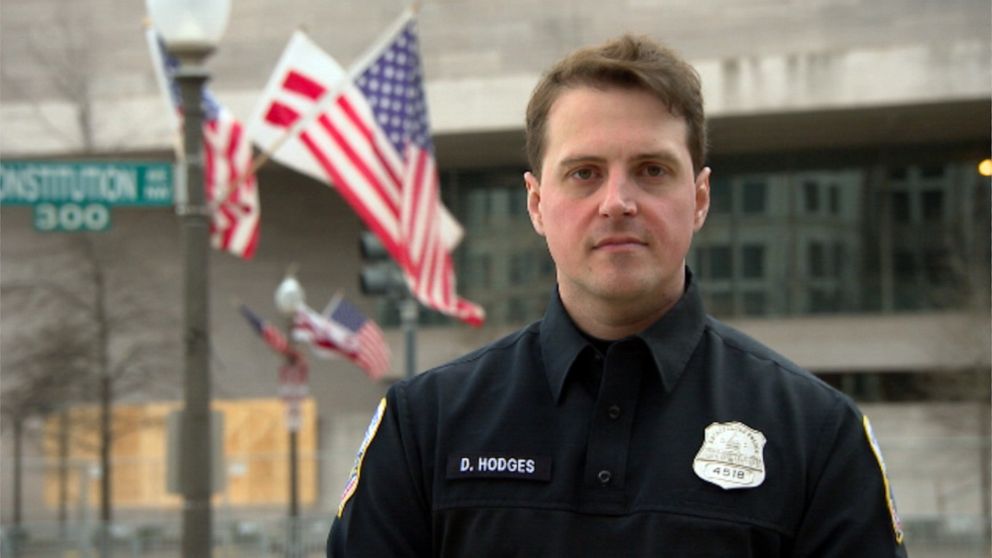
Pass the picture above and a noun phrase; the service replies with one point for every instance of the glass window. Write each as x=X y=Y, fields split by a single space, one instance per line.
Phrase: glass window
x=904 y=263
x=754 y=303
x=520 y=268
x=478 y=206
x=933 y=205
x=938 y=267
x=719 y=262
x=811 y=194
x=721 y=196
x=752 y=261
x=754 y=197
x=822 y=300
x=481 y=269
x=897 y=173
x=518 y=203
x=834 y=199
x=932 y=171
x=840 y=259
x=817 y=263
x=900 y=207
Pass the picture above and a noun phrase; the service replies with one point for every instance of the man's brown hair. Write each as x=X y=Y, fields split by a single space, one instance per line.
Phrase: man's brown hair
x=627 y=62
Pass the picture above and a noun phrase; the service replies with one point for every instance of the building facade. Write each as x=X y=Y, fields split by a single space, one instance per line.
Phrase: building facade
x=849 y=226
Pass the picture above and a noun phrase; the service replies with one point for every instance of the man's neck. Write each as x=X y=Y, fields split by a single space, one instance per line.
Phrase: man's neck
x=615 y=319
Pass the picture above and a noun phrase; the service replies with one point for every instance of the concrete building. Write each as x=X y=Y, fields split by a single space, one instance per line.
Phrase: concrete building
x=849 y=229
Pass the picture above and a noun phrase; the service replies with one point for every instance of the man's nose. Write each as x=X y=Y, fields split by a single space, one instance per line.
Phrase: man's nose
x=618 y=196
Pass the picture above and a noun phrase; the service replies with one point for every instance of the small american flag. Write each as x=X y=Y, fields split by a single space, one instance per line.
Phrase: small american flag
x=344 y=330
x=369 y=347
x=230 y=185
x=369 y=136
x=268 y=332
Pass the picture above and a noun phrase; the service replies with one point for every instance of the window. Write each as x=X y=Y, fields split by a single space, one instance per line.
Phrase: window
x=754 y=303
x=481 y=270
x=938 y=266
x=900 y=207
x=822 y=300
x=834 y=199
x=932 y=171
x=933 y=205
x=840 y=259
x=754 y=197
x=811 y=194
x=719 y=262
x=752 y=261
x=721 y=196
x=904 y=263
x=520 y=268
x=816 y=263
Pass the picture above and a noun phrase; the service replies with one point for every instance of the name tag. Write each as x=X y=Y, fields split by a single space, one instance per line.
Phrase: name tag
x=499 y=466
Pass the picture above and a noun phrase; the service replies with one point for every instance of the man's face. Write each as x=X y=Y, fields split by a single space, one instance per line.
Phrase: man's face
x=617 y=200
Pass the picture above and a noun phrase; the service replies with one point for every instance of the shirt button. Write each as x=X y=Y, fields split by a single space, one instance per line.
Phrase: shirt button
x=613 y=412
x=604 y=477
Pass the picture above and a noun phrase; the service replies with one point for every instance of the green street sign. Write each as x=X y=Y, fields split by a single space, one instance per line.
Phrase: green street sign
x=77 y=196
x=71 y=217
x=109 y=183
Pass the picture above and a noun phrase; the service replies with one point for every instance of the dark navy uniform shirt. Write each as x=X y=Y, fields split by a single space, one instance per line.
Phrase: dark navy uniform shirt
x=542 y=445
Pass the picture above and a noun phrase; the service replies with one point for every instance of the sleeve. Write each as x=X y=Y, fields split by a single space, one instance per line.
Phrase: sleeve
x=384 y=510
x=850 y=509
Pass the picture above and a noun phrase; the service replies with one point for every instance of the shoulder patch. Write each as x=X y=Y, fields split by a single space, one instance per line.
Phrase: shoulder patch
x=889 y=499
x=356 y=468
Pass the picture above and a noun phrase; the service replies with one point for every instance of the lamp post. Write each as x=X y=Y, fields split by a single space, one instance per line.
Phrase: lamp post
x=191 y=30
x=289 y=296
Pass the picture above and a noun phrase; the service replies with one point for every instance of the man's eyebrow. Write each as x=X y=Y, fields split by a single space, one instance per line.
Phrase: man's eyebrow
x=578 y=159
x=663 y=155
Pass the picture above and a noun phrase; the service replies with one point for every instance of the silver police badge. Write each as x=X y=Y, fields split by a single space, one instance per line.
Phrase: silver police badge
x=732 y=456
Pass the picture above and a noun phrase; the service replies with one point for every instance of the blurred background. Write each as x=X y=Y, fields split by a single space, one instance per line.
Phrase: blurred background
x=849 y=230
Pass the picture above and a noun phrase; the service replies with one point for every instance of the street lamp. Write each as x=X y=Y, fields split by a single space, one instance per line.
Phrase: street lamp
x=191 y=30
x=289 y=297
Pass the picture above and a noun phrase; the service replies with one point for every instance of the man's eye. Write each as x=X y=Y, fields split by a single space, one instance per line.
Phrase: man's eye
x=654 y=170
x=583 y=174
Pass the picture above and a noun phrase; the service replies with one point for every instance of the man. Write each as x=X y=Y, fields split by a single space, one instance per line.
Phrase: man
x=626 y=422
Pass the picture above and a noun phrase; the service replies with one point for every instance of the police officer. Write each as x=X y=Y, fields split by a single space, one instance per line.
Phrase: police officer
x=626 y=422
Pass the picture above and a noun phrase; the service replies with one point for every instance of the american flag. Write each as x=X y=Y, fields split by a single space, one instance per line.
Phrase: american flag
x=230 y=185
x=268 y=332
x=344 y=330
x=369 y=136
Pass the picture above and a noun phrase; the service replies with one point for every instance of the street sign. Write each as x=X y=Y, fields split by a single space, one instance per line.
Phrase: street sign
x=293 y=389
x=71 y=217
x=77 y=196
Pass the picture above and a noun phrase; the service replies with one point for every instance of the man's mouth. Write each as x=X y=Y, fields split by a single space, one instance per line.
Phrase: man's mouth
x=617 y=242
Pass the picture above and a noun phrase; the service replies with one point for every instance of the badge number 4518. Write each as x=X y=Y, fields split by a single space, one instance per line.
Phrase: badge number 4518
x=734 y=474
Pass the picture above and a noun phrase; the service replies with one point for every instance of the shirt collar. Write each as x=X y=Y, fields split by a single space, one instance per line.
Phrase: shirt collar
x=671 y=340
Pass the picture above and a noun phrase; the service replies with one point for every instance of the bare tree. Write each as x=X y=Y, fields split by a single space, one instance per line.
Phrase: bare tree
x=82 y=342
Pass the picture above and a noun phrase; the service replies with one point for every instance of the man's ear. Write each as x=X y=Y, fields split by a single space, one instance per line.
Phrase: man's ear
x=534 y=202
x=702 y=187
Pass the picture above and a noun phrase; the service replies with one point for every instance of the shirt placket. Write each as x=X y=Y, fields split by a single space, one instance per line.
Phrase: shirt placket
x=608 y=448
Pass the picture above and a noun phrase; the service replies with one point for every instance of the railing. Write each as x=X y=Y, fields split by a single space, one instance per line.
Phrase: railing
x=946 y=536
x=263 y=538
